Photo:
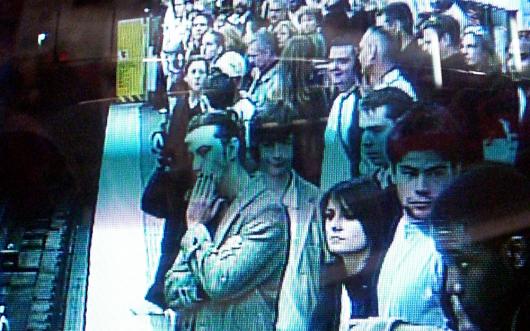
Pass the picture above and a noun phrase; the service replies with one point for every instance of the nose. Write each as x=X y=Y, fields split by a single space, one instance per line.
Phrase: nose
x=277 y=151
x=422 y=184
x=367 y=139
x=197 y=165
x=333 y=66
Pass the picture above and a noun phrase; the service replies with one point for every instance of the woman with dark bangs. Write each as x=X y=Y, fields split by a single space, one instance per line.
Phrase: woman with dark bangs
x=357 y=223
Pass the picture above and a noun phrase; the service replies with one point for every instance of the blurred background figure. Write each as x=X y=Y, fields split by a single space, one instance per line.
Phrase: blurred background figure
x=478 y=50
x=283 y=31
x=481 y=226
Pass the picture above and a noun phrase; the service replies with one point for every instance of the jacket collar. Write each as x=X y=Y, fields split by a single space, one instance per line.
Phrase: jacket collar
x=242 y=201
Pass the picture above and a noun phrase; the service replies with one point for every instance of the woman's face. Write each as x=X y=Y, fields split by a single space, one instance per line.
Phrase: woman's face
x=344 y=235
x=282 y=35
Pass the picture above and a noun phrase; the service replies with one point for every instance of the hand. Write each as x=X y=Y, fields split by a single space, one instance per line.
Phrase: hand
x=181 y=290
x=203 y=204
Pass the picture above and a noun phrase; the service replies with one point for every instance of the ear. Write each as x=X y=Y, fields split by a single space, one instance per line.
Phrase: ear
x=232 y=149
x=372 y=52
x=515 y=251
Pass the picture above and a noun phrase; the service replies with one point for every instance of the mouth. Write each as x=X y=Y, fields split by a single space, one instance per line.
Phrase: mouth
x=277 y=164
x=420 y=205
x=336 y=239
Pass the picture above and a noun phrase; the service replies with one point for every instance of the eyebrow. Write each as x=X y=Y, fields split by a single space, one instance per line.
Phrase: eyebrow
x=436 y=167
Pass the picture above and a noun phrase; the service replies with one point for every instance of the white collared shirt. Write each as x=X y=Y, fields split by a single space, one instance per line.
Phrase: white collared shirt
x=395 y=78
x=410 y=283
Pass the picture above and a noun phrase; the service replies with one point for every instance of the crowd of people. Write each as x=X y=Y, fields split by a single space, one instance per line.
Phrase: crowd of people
x=348 y=165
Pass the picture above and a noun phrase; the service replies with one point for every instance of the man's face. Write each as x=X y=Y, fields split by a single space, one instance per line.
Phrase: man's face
x=196 y=75
x=209 y=47
x=308 y=24
x=388 y=25
x=282 y=35
x=375 y=127
x=276 y=12
x=258 y=57
x=276 y=158
x=477 y=278
x=420 y=177
x=240 y=6
x=180 y=8
x=199 y=27
x=294 y=5
x=209 y=156
x=471 y=49
x=342 y=67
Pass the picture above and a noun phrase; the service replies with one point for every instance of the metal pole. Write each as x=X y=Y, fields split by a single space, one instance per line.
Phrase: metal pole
x=435 y=56
x=516 y=46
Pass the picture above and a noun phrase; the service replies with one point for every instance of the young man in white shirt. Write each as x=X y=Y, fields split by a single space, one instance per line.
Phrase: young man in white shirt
x=423 y=149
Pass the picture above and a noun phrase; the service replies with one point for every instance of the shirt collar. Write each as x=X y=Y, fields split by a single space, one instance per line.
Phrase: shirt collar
x=290 y=198
x=409 y=228
x=391 y=75
x=193 y=102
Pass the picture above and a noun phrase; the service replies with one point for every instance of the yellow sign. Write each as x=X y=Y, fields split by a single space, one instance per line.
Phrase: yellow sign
x=130 y=69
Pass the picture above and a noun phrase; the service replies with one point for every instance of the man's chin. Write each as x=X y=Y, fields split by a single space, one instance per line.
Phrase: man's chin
x=419 y=214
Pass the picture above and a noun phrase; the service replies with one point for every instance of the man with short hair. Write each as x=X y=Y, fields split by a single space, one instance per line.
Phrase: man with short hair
x=397 y=20
x=212 y=46
x=200 y=23
x=451 y=59
x=262 y=54
x=301 y=285
x=379 y=111
x=379 y=62
x=243 y=18
x=339 y=163
x=228 y=272
x=424 y=159
x=277 y=10
x=481 y=227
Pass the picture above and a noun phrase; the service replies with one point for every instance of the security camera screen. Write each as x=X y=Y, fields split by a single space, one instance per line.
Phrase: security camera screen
x=290 y=165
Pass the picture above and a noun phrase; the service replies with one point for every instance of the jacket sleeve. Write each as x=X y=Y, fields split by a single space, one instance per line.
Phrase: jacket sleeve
x=181 y=289
x=244 y=260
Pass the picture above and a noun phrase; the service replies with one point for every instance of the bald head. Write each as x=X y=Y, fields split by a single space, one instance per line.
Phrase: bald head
x=377 y=48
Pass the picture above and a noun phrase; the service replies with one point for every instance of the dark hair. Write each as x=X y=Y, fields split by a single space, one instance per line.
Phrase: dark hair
x=220 y=90
x=209 y=18
x=273 y=122
x=306 y=10
x=343 y=40
x=362 y=199
x=266 y=40
x=425 y=128
x=227 y=127
x=196 y=58
x=398 y=101
x=444 y=24
x=399 y=11
x=485 y=193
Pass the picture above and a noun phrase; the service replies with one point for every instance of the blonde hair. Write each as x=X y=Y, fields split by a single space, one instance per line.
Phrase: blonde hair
x=233 y=40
